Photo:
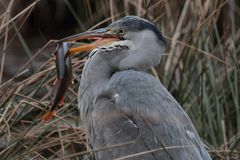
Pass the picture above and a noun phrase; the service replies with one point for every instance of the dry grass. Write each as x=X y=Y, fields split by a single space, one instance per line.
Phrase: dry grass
x=200 y=68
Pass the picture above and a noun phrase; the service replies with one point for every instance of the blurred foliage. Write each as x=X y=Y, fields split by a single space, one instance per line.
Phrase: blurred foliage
x=200 y=68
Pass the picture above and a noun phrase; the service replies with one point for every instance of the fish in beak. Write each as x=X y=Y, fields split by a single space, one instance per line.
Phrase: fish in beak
x=98 y=37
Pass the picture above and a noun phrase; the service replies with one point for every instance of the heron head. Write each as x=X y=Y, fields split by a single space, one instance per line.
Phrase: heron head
x=130 y=42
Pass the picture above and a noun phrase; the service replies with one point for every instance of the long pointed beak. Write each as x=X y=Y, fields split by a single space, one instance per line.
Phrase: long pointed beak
x=100 y=37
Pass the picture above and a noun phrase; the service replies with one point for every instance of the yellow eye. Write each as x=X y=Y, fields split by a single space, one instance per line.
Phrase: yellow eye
x=118 y=31
x=121 y=31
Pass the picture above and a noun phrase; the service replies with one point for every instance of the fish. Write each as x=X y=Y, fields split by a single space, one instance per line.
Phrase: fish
x=63 y=81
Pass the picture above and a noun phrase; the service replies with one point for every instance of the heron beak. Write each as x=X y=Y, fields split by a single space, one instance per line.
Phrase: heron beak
x=99 y=37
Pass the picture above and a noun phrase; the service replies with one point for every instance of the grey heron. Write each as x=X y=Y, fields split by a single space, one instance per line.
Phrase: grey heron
x=127 y=112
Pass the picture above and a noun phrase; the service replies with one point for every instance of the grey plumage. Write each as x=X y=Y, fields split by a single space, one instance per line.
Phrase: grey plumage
x=128 y=112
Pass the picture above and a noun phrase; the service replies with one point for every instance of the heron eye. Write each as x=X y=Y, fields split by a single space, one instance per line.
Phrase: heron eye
x=121 y=31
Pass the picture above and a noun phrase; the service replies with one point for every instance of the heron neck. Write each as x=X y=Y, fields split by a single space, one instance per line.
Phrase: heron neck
x=95 y=75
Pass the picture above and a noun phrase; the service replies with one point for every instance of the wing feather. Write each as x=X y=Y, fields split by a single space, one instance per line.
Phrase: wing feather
x=145 y=118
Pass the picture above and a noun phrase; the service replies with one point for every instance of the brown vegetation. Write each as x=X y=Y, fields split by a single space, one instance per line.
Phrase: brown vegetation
x=200 y=68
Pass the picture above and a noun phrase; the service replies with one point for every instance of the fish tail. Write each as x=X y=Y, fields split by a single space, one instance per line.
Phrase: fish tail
x=47 y=116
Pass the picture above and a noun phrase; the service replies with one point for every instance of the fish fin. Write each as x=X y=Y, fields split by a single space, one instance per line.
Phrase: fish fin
x=74 y=81
x=47 y=116
x=61 y=102
x=55 y=81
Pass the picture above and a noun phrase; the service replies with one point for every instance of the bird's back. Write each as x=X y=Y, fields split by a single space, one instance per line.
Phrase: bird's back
x=149 y=125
